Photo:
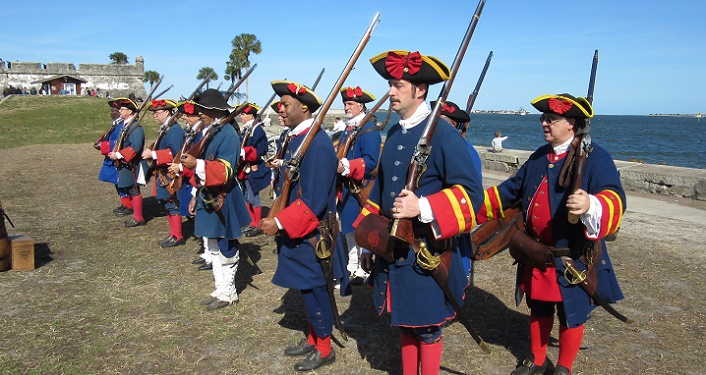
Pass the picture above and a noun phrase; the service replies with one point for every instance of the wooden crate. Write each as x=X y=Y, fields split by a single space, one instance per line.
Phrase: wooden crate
x=22 y=255
x=4 y=254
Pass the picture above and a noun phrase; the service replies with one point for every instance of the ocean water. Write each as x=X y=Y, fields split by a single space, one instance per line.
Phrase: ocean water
x=667 y=140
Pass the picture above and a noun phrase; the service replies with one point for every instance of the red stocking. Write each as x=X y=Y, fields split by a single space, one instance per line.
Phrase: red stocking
x=410 y=354
x=540 y=329
x=175 y=226
x=323 y=345
x=431 y=357
x=569 y=344
x=137 y=207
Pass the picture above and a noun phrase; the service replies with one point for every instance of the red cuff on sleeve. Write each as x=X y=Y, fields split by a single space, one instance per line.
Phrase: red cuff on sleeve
x=164 y=156
x=217 y=173
x=250 y=153
x=369 y=208
x=105 y=148
x=188 y=173
x=128 y=153
x=453 y=211
x=297 y=219
x=357 y=169
x=492 y=206
x=612 y=207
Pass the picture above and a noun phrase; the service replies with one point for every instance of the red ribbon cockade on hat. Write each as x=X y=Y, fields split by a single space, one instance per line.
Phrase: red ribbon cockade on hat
x=189 y=108
x=448 y=108
x=279 y=105
x=397 y=65
x=125 y=103
x=248 y=110
x=354 y=92
x=560 y=106
x=156 y=103
x=295 y=89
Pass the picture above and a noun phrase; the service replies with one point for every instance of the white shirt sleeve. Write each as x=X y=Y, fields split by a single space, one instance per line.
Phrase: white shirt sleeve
x=592 y=218
x=200 y=170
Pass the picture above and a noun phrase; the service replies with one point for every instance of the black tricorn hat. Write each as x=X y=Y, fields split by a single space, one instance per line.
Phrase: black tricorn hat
x=161 y=104
x=410 y=66
x=124 y=102
x=356 y=94
x=299 y=92
x=275 y=106
x=251 y=109
x=212 y=99
x=564 y=105
x=188 y=107
x=452 y=111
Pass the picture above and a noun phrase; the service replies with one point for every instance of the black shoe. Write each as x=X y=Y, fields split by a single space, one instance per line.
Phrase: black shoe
x=208 y=300
x=205 y=267
x=218 y=304
x=165 y=240
x=134 y=223
x=174 y=242
x=561 y=370
x=314 y=361
x=253 y=233
x=122 y=211
x=527 y=367
x=198 y=260
x=301 y=348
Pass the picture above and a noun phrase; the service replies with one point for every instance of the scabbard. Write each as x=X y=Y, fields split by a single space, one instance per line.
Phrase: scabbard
x=324 y=255
x=584 y=284
x=460 y=316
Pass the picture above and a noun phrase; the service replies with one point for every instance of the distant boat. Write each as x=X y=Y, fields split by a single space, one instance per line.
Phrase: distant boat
x=521 y=111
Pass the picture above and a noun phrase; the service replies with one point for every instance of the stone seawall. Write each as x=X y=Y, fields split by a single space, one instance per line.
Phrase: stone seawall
x=657 y=179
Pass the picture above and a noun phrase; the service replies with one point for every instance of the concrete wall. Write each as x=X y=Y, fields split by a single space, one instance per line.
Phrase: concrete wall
x=658 y=179
x=118 y=80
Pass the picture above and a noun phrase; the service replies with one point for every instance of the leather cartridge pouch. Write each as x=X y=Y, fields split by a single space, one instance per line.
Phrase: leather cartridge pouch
x=531 y=252
x=373 y=233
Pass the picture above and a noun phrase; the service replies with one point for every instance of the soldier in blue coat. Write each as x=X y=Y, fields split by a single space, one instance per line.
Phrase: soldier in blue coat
x=442 y=206
x=357 y=169
x=312 y=197
x=109 y=171
x=459 y=119
x=253 y=174
x=169 y=145
x=128 y=159
x=217 y=199
x=546 y=199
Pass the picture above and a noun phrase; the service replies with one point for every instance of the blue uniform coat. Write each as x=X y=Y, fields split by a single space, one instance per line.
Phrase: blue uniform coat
x=599 y=175
x=225 y=146
x=109 y=172
x=416 y=298
x=259 y=179
x=297 y=266
x=136 y=139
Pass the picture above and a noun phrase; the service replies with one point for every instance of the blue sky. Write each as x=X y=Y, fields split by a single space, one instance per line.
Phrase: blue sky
x=652 y=55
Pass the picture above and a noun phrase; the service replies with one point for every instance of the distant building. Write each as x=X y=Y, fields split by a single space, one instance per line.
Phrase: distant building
x=117 y=79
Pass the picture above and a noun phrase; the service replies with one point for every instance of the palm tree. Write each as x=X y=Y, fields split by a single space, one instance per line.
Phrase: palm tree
x=118 y=58
x=204 y=72
x=243 y=45
x=150 y=76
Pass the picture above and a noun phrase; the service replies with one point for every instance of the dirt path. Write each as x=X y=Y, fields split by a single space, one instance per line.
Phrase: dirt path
x=106 y=299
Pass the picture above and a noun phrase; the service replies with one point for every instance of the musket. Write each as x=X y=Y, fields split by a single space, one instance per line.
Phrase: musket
x=197 y=149
x=383 y=125
x=171 y=121
x=354 y=186
x=97 y=144
x=585 y=147
x=402 y=228
x=124 y=133
x=248 y=133
x=292 y=170
x=175 y=182
x=231 y=91
x=474 y=94
x=316 y=83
